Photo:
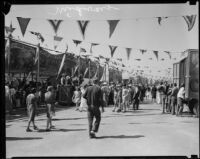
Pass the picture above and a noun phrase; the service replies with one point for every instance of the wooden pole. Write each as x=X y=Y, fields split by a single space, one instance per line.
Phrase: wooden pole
x=79 y=69
x=38 y=66
x=9 y=40
x=89 y=69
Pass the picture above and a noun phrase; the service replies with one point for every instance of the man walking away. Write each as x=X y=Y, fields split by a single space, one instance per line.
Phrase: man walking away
x=161 y=90
x=31 y=102
x=50 y=97
x=93 y=95
x=174 y=99
x=136 y=98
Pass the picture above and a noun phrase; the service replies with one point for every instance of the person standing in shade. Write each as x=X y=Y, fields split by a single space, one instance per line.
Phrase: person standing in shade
x=174 y=99
x=50 y=99
x=136 y=98
x=93 y=95
x=153 y=93
x=31 y=102
x=162 y=90
x=125 y=98
x=181 y=98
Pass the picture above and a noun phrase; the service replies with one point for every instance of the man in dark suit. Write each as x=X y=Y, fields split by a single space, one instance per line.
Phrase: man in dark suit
x=93 y=95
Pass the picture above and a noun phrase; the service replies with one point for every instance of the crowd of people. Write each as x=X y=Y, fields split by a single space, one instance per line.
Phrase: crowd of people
x=122 y=97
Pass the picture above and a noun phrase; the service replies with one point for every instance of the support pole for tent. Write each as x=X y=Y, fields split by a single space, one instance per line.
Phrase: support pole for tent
x=98 y=66
x=79 y=68
x=89 y=69
x=9 y=40
x=38 y=65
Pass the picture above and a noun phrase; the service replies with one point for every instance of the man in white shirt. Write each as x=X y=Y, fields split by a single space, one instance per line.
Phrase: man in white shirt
x=181 y=97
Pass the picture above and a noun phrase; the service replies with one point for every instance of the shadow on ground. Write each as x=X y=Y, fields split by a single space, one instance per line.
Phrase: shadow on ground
x=61 y=130
x=22 y=138
x=121 y=137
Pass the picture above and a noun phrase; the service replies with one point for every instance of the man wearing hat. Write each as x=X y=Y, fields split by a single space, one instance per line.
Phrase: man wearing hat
x=31 y=102
x=105 y=91
x=93 y=95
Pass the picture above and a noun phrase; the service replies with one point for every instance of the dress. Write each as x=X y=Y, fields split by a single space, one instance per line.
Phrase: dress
x=83 y=104
x=77 y=97
x=31 y=102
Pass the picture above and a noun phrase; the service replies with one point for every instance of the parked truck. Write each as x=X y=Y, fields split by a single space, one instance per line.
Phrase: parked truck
x=187 y=71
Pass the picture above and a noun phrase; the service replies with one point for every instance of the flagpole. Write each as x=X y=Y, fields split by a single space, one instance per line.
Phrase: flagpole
x=9 y=40
x=89 y=69
x=38 y=66
x=79 y=63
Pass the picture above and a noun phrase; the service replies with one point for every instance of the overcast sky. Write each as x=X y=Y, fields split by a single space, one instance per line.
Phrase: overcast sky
x=138 y=29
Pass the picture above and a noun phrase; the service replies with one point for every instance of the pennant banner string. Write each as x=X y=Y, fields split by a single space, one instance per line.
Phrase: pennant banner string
x=23 y=23
x=133 y=18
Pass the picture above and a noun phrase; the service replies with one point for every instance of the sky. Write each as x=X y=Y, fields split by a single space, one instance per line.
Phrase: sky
x=137 y=29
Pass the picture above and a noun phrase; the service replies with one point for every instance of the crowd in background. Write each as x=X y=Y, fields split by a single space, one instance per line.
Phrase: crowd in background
x=121 y=96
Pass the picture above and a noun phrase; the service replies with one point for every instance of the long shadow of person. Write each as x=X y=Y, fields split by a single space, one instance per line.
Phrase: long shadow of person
x=120 y=137
x=61 y=130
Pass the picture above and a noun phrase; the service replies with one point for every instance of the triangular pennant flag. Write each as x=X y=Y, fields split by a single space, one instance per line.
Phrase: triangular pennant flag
x=61 y=65
x=112 y=26
x=77 y=42
x=39 y=36
x=169 y=54
x=83 y=24
x=156 y=54
x=159 y=20
x=143 y=51
x=57 y=40
x=112 y=49
x=190 y=20
x=10 y=29
x=82 y=50
x=92 y=44
x=128 y=51
x=55 y=24
x=119 y=59
x=23 y=23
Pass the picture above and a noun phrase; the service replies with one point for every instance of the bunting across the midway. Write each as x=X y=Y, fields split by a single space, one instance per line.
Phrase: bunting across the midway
x=112 y=49
x=83 y=24
x=77 y=42
x=92 y=44
x=9 y=30
x=57 y=40
x=128 y=51
x=190 y=20
x=23 y=23
x=112 y=26
x=55 y=24
x=156 y=54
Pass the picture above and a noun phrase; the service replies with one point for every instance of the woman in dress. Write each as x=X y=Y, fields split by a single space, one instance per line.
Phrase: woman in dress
x=76 y=98
x=83 y=105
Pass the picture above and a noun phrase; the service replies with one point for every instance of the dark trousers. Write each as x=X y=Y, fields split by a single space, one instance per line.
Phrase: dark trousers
x=135 y=104
x=94 y=112
x=174 y=105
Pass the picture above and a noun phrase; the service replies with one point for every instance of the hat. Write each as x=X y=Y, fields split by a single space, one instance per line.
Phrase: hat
x=49 y=88
x=33 y=90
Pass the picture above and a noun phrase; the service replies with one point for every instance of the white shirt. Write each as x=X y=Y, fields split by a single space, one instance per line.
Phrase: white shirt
x=181 y=93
